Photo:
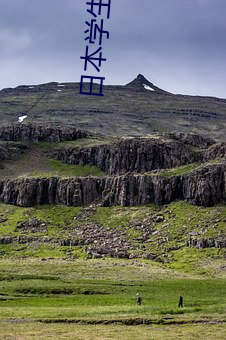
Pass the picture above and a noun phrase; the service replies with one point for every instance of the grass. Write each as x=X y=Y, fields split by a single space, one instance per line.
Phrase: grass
x=49 y=290
x=168 y=238
x=55 y=216
x=79 y=143
x=96 y=332
x=96 y=299
x=119 y=217
x=180 y=170
x=36 y=331
x=87 y=142
x=38 y=164
x=203 y=261
x=61 y=295
x=60 y=169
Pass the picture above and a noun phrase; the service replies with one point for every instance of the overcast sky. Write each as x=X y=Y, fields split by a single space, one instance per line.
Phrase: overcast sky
x=179 y=45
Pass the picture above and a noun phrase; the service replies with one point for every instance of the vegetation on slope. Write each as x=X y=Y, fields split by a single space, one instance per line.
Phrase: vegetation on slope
x=57 y=286
x=167 y=243
x=35 y=162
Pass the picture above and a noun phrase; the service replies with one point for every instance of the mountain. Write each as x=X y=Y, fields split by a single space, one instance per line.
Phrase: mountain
x=138 y=108
x=140 y=83
x=103 y=197
x=120 y=175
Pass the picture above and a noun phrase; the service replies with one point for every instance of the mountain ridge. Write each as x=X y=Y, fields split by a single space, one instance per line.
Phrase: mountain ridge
x=136 y=84
x=138 y=108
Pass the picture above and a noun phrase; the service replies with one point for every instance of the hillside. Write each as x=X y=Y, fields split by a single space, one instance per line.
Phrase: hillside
x=101 y=196
x=137 y=109
x=99 y=200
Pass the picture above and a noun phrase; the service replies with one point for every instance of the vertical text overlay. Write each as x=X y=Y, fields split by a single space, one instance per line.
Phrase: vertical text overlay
x=95 y=34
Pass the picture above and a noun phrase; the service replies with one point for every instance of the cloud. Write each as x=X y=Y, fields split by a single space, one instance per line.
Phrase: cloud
x=13 y=42
x=178 y=44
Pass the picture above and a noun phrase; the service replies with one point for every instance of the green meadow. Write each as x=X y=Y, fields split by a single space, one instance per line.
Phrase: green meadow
x=46 y=297
x=50 y=291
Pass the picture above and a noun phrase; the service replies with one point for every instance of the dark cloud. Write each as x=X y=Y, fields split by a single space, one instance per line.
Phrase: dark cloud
x=177 y=44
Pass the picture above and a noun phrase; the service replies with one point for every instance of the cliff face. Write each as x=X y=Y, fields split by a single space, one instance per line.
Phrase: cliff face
x=35 y=133
x=191 y=139
x=215 y=151
x=125 y=163
x=206 y=187
x=202 y=187
x=10 y=151
x=131 y=155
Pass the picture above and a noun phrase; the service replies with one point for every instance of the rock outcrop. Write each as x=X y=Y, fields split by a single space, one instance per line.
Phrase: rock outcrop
x=37 y=132
x=215 y=151
x=139 y=155
x=191 y=139
x=205 y=186
x=219 y=242
x=133 y=168
x=11 y=151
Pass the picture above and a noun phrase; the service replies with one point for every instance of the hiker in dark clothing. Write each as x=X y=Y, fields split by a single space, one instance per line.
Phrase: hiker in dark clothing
x=139 y=299
x=180 y=301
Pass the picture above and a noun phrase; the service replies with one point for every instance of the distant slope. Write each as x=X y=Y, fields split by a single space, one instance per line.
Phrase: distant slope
x=137 y=109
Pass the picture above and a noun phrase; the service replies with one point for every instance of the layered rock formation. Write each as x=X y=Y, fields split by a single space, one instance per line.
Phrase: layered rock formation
x=131 y=155
x=215 y=151
x=126 y=164
x=205 y=186
x=36 y=132
x=191 y=139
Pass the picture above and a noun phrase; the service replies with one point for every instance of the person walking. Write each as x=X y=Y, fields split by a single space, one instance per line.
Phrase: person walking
x=180 y=301
x=139 y=299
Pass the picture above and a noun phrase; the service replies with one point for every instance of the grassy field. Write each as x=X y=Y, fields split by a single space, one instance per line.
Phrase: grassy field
x=52 y=291
x=37 y=331
x=96 y=299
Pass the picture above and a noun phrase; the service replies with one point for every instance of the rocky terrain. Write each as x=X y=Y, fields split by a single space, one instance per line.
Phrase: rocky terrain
x=152 y=236
x=205 y=186
x=134 y=168
x=35 y=133
x=128 y=139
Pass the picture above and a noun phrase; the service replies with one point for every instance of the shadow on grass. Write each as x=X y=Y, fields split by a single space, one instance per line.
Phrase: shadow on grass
x=180 y=311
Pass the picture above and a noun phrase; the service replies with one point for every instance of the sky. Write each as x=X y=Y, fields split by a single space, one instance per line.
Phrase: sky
x=179 y=45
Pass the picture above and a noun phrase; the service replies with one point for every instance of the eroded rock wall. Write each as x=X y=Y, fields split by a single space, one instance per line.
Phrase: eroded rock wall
x=131 y=156
x=35 y=133
x=205 y=186
x=11 y=151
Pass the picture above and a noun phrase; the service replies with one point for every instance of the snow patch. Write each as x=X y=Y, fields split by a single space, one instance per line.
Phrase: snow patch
x=59 y=90
x=31 y=87
x=21 y=118
x=61 y=85
x=148 y=87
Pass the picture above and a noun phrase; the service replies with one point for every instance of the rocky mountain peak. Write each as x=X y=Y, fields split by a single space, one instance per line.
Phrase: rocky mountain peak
x=140 y=83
